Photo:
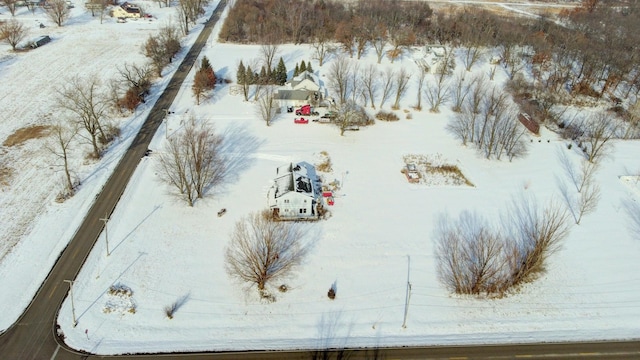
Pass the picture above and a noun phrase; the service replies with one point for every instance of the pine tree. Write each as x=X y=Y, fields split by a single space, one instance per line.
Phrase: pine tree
x=309 y=69
x=281 y=73
x=241 y=74
x=209 y=74
x=303 y=67
x=296 y=71
x=249 y=77
x=262 y=79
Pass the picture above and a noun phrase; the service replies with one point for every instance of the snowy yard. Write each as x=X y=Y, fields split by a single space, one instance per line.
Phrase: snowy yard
x=380 y=233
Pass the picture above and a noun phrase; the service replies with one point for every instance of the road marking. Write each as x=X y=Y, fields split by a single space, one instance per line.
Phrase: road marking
x=55 y=353
x=524 y=356
x=458 y=358
x=75 y=253
x=52 y=291
x=589 y=354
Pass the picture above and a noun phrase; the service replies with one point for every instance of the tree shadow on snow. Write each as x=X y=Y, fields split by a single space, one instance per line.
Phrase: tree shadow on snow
x=237 y=149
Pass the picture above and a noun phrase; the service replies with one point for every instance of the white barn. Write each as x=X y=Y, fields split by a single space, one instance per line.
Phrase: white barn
x=296 y=192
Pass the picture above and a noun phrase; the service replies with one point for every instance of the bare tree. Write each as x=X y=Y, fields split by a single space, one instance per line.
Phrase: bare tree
x=269 y=52
x=161 y=48
x=370 y=83
x=587 y=200
x=338 y=77
x=470 y=255
x=321 y=45
x=350 y=114
x=437 y=93
x=12 y=6
x=401 y=82
x=267 y=106
x=63 y=133
x=386 y=78
x=535 y=234
x=58 y=11
x=188 y=12
x=599 y=129
x=422 y=73
x=354 y=82
x=459 y=91
x=13 y=32
x=262 y=249
x=192 y=161
x=98 y=6
x=632 y=130
x=87 y=101
x=137 y=78
x=379 y=40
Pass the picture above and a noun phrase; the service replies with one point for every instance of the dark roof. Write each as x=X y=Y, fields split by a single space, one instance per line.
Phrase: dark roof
x=293 y=95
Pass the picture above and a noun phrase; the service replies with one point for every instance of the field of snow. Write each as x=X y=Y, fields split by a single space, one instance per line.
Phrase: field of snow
x=379 y=235
x=35 y=228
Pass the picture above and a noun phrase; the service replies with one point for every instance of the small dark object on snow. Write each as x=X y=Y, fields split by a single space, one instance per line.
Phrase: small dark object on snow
x=331 y=294
x=147 y=152
x=222 y=212
x=289 y=109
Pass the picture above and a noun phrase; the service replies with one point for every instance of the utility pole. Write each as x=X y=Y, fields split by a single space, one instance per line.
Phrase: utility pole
x=73 y=308
x=408 y=294
x=106 y=232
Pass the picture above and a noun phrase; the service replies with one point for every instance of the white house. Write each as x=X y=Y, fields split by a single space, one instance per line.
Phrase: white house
x=126 y=10
x=300 y=90
x=296 y=192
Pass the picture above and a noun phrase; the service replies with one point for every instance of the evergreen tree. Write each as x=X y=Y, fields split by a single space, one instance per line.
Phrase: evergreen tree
x=309 y=69
x=303 y=67
x=209 y=74
x=281 y=73
x=296 y=71
x=241 y=74
x=249 y=77
x=262 y=79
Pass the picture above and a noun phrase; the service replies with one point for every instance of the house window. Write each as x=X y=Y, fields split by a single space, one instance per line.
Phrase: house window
x=303 y=211
x=286 y=201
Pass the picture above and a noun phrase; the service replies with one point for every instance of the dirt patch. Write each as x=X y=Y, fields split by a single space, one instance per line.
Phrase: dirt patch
x=26 y=133
x=5 y=175
x=432 y=170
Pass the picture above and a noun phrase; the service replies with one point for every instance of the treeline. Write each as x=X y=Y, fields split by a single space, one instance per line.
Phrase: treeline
x=304 y=21
x=589 y=44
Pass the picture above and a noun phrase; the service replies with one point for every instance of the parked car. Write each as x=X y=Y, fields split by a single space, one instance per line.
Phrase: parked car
x=40 y=41
x=301 y=120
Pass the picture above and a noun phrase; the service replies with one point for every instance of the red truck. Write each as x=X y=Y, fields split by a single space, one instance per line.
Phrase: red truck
x=301 y=120
x=306 y=110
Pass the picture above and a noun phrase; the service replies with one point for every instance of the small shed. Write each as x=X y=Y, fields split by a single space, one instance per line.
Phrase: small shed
x=529 y=123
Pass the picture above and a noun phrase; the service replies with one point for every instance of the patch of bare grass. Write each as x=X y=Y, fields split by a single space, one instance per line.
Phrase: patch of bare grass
x=324 y=162
x=26 y=133
x=433 y=170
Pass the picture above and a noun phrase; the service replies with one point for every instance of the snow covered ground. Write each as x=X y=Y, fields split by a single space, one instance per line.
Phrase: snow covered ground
x=34 y=228
x=380 y=232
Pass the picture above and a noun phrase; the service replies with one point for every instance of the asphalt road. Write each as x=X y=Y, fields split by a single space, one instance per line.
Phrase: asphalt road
x=33 y=336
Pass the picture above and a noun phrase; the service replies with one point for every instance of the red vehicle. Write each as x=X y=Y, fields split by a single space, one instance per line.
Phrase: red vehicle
x=306 y=110
x=301 y=120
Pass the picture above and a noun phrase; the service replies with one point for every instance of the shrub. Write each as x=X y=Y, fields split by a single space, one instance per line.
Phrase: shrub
x=130 y=100
x=387 y=116
x=331 y=293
